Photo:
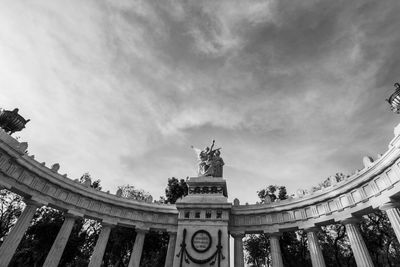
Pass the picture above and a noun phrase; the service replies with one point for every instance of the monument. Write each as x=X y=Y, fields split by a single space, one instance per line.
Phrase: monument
x=202 y=237
x=198 y=224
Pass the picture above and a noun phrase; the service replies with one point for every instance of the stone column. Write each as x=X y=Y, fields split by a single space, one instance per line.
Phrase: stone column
x=13 y=239
x=238 y=249
x=393 y=214
x=360 y=251
x=169 y=260
x=317 y=258
x=276 y=254
x=136 y=254
x=56 y=251
x=98 y=252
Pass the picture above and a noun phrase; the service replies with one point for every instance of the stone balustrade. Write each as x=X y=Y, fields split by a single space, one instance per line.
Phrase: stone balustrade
x=375 y=186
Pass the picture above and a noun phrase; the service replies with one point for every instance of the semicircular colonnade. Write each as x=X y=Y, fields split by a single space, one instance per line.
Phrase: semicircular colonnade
x=375 y=187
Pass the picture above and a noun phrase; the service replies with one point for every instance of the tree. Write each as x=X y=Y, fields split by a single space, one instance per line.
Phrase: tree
x=257 y=247
x=175 y=189
x=375 y=228
x=335 y=245
x=122 y=239
x=96 y=184
x=328 y=181
x=11 y=206
x=273 y=192
x=119 y=246
x=154 y=249
x=131 y=192
x=39 y=237
x=294 y=249
x=293 y=244
x=380 y=239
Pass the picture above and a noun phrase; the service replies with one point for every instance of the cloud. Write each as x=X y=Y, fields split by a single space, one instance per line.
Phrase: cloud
x=293 y=92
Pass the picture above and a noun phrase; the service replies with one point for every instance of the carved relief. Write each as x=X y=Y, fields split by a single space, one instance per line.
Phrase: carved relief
x=206 y=190
x=37 y=183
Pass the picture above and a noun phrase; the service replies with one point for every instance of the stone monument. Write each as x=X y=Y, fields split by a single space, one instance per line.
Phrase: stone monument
x=203 y=238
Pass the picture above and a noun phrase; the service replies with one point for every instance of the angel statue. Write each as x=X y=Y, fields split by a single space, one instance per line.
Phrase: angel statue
x=210 y=161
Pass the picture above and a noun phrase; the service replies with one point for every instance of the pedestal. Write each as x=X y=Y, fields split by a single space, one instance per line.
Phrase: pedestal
x=202 y=237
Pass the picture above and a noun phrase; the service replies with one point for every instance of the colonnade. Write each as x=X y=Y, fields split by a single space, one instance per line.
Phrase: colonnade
x=360 y=251
x=11 y=242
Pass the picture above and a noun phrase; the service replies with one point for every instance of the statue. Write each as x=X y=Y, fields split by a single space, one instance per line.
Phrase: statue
x=210 y=161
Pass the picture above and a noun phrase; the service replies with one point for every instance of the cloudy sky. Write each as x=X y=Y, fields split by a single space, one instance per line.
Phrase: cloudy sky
x=293 y=91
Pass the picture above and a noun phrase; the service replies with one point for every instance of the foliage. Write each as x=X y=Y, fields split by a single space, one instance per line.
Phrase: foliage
x=294 y=249
x=338 y=177
x=257 y=247
x=175 y=189
x=119 y=247
x=335 y=245
x=40 y=236
x=375 y=228
x=380 y=239
x=96 y=184
x=154 y=249
x=122 y=239
x=131 y=192
x=293 y=244
x=11 y=206
x=272 y=192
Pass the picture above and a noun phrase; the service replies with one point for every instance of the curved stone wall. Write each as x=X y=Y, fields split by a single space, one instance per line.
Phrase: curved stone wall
x=370 y=188
x=376 y=186
x=21 y=174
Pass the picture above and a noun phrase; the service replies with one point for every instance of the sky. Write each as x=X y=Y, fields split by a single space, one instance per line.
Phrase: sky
x=293 y=91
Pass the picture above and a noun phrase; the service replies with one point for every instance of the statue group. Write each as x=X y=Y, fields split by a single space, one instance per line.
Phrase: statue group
x=210 y=161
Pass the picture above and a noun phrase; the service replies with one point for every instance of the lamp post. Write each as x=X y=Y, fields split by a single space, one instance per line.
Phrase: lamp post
x=394 y=99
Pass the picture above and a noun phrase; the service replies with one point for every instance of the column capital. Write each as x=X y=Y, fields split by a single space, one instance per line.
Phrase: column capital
x=389 y=205
x=312 y=229
x=142 y=230
x=275 y=234
x=108 y=223
x=72 y=215
x=237 y=234
x=32 y=202
x=352 y=220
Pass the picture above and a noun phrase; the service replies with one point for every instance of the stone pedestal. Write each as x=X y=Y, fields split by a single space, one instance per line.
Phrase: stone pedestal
x=202 y=236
